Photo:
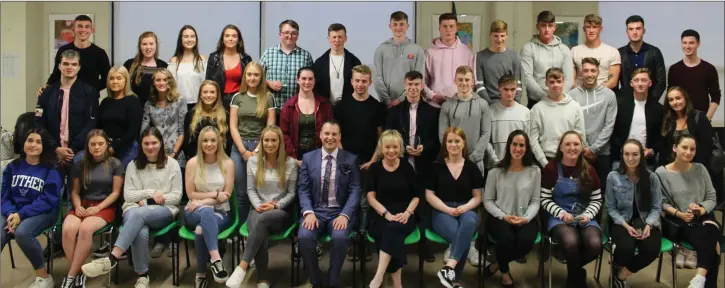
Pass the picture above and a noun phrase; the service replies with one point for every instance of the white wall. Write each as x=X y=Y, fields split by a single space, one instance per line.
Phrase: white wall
x=366 y=24
x=208 y=18
x=664 y=22
x=12 y=71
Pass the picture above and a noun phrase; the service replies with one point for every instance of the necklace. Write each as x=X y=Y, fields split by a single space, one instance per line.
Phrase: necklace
x=337 y=71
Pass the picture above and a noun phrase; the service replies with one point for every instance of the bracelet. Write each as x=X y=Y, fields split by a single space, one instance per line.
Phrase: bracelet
x=384 y=212
x=411 y=213
x=676 y=213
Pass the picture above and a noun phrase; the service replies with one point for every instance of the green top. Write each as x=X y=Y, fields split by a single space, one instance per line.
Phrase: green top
x=307 y=132
x=248 y=124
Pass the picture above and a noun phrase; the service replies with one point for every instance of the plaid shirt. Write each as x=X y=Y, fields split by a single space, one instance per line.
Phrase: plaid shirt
x=283 y=67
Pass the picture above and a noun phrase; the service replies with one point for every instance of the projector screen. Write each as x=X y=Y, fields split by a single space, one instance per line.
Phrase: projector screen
x=664 y=22
x=366 y=24
x=166 y=19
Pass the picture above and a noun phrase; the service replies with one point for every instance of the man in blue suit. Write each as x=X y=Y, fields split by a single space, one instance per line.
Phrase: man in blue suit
x=329 y=192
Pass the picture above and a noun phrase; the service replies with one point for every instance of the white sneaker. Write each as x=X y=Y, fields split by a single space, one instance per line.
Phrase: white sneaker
x=262 y=285
x=697 y=282
x=680 y=259
x=142 y=282
x=235 y=281
x=158 y=250
x=97 y=267
x=447 y=255
x=473 y=255
x=41 y=282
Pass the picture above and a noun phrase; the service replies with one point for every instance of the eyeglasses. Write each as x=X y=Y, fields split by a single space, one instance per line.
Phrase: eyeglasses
x=288 y=33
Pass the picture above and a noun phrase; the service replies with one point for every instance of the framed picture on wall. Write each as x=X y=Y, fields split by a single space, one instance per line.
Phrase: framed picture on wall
x=60 y=32
x=570 y=30
x=469 y=30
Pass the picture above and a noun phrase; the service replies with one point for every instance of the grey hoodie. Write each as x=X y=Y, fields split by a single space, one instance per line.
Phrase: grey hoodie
x=392 y=61
x=537 y=57
x=473 y=117
x=599 y=106
x=550 y=120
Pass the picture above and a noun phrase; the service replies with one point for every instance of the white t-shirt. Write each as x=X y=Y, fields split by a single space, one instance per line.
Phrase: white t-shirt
x=188 y=80
x=337 y=79
x=638 y=128
x=607 y=56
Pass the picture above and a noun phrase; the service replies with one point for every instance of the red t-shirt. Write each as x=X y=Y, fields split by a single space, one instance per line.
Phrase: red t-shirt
x=233 y=79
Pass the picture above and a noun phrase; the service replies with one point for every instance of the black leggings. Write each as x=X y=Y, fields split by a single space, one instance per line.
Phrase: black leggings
x=704 y=239
x=580 y=246
x=512 y=242
x=648 y=249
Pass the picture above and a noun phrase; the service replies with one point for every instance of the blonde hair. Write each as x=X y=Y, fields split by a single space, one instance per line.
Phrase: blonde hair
x=363 y=69
x=262 y=90
x=172 y=95
x=499 y=26
x=593 y=19
x=120 y=70
x=200 y=175
x=281 y=168
x=218 y=112
x=139 y=55
x=390 y=136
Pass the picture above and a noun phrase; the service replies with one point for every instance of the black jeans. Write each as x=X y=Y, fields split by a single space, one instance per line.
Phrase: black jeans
x=648 y=249
x=512 y=242
x=704 y=239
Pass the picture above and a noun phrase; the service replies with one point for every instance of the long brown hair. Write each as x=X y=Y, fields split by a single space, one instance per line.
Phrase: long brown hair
x=670 y=114
x=141 y=159
x=139 y=55
x=87 y=162
x=453 y=130
x=585 y=180
x=179 y=52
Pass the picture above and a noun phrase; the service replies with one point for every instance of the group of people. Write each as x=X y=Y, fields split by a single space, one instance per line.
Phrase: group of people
x=291 y=140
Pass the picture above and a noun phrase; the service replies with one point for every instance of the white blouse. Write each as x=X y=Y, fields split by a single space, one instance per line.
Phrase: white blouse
x=188 y=79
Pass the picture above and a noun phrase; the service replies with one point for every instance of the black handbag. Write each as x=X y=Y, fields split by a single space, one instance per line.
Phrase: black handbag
x=670 y=228
x=717 y=159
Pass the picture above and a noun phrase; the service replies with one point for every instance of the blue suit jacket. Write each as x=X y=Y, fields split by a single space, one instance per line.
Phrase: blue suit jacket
x=347 y=182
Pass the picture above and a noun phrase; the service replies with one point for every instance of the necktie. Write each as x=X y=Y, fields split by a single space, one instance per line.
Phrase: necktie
x=326 y=182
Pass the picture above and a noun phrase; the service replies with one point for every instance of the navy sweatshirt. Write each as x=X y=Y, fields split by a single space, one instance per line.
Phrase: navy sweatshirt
x=29 y=190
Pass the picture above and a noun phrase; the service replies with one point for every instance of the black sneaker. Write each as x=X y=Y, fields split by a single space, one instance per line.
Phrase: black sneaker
x=102 y=251
x=217 y=269
x=200 y=282
x=447 y=276
x=80 y=281
x=67 y=282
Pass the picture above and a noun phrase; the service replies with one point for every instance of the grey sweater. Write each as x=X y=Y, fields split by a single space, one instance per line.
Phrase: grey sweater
x=679 y=189
x=473 y=117
x=504 y=121
x=271 y=190
x=507 y=191
x=392 y=61
x=599 y=106
x=537 y=57
x=490 y=66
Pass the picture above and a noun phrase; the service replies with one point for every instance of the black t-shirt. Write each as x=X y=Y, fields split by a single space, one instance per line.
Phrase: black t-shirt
x=393 y=189
x=94 y=65
x=359 y=123
x=448 y=189
x=121 y=121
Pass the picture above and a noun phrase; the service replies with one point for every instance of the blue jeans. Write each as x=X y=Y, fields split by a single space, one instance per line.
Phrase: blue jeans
x=458 y=231
x=125 y=156
x=25 y=236
x=240 y=177
x=136 y=225
x=211 y=222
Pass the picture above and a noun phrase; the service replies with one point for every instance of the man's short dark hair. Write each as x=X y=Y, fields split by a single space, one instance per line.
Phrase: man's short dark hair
x=413 y=75
x=642 y=70
x=334 y=122
x=690 y=33
x=507 y=79
x=591 y=60
x=634 y=19
x=83 y=18
x=398 y=16
x=545 y=17
x=336 y=27
x=291 y=23
x=447 y=16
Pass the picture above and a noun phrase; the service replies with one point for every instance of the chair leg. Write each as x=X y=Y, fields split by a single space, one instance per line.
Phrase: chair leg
x=479 y=270
x=354 y=263
x=12 y=258
x=550 y=262
x=611 y=268
x=541 y=262
x=363 y=249
x=659 y=267
x=49 y=261
x=421 y=247
x=674 y=269
x=292 y=263
x=186 y=247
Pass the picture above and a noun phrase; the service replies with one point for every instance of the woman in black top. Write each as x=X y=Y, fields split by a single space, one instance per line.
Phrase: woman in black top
x=119 y=116
x=394 y=195
x=227 y=63
x=682 y=119
x=207 y=111
x=454 y=191
x=143 y=66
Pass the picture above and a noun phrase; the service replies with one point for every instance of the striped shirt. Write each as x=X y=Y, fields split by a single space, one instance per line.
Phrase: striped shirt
x=549 y=177
x=282 y=67
x=271 y=190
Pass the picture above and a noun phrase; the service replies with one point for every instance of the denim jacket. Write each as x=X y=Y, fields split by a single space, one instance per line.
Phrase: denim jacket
x=619 y=196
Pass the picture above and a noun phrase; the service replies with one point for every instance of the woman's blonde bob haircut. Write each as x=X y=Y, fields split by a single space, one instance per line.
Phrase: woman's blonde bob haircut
x=387 y=137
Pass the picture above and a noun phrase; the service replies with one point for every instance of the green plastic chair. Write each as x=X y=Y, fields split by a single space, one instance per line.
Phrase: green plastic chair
x=175 y=255
x=188 y=235
x=412 y=238
x=48 y=232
